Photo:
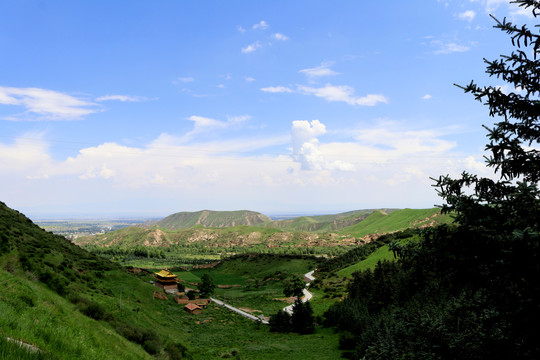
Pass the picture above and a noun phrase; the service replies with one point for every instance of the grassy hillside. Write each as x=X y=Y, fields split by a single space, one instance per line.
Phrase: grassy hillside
x=380 y=223
x=71 y=304
x=322 y=223
x=208 y=218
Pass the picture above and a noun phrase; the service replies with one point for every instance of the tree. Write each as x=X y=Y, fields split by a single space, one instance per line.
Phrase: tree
x=302 y=320
x=470 y=290
x=293 y=286
x=180 y=287
x=280 y=322
x=207 y=286
x=496 y=246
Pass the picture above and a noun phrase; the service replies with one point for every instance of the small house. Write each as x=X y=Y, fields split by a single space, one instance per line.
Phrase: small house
x=193 y=309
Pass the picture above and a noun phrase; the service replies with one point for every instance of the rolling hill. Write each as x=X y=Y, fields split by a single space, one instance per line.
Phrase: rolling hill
x=209 y=218
x=321 y=223
x=327 y=230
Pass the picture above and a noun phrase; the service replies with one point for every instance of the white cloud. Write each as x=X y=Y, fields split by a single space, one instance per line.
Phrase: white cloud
x=426 y=97
x=221 y=86
x=277 y=89
x=318 y=71
x=184 y=80
x=307 y=151
x=46 y=104
x=370 y=168
x=251 y=47
x=241 y=29
x=123 y=98
x=280 y=37
x=467 y=15
x=238 y=119
x=343 y=93
x=260 y=25
x=249 y=79
x=449 y=47
x=206 y=124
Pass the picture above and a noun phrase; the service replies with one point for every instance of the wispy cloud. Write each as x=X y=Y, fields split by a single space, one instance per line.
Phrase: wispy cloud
x=251 y=47
x=43 y=104
x=184 y=80
x=444 y=48
x=260 y=25
x=318 y=71
x=426 y=97
x=277 y=89
x=249 y=79
x=343 y=93
x=123 y=98
x=467 y=15
x=204 y=124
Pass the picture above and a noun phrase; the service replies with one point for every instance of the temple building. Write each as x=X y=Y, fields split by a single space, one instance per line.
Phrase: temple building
x=166 y=280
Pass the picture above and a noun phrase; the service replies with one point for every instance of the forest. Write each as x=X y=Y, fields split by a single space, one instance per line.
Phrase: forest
x=469 y=290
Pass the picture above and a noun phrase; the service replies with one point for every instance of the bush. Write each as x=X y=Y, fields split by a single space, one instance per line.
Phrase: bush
x=95 y=311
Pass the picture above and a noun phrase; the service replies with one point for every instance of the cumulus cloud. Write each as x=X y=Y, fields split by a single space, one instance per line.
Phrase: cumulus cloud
x=371 y=166
x=426 y=97
x=343 y=93
x=306 y=149
x=280 y=37
x=43 y=104
x=277 y=89
x=318 y=71
x=251 y=47
x=467 y=15
x=260 y=25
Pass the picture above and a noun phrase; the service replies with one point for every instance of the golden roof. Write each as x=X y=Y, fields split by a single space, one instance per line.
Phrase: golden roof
x=165 y=274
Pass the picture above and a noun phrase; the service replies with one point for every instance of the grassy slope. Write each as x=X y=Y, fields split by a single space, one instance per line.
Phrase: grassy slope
x=380 y=223
x=32 y=312
x=207 y=218
x=321 y=222
x=380 y=254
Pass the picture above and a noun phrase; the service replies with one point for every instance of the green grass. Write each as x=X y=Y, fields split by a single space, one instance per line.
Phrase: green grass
x=380 y=254
x=380 y=223
x=36 y=315
x=74 y=305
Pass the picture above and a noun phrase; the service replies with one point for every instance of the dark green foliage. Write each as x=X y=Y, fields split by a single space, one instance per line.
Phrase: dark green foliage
x=94 y=310
x=176 y=351
x=362 y=252
x=472 y=290
x=280 y=322
x=207 y=286
x=293 y=286
x=191 y=295
x=302 y=320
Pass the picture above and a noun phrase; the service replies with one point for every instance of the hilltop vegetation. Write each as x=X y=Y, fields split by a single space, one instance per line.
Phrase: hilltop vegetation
x=207 y=218
x=203 y=245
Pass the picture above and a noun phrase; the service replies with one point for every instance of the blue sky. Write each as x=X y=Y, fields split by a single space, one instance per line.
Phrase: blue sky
x=138 y=108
